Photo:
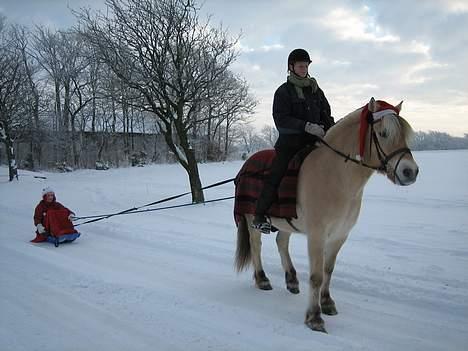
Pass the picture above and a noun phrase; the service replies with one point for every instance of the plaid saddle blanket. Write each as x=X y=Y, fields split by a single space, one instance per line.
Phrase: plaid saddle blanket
x=249 y=184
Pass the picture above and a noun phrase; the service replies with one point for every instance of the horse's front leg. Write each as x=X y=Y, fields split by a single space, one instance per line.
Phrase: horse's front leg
x=326 y=301
x=282 y=241
x=261 y=280
x=313 y=317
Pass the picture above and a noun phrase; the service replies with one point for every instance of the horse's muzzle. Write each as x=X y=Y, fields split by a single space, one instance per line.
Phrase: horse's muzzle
x=406 y=173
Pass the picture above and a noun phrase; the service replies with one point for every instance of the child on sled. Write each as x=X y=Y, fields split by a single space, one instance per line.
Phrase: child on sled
x=47 y=203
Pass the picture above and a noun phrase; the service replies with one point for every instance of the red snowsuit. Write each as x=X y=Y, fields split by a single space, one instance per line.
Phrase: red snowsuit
x=40 y=214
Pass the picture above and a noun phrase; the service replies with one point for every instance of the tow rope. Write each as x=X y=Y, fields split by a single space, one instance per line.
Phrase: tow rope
x=132 y=210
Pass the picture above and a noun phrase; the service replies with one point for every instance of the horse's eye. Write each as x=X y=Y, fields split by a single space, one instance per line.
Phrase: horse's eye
x=383 y=133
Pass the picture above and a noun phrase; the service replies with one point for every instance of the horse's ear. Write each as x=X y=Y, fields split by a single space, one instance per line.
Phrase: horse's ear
x=398 y=107
x=372 y=105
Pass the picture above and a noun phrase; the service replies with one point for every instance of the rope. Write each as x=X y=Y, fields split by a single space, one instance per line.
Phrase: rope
x=137 y=209
x=158 y=209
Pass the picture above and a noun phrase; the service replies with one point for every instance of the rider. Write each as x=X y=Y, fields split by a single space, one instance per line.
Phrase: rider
x=301 y=113
x=47 y=203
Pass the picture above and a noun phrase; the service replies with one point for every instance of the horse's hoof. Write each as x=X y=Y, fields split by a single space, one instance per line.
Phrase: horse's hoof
x=317 y=326
x=315 y=322
x=264 y=285
x=292 y=284
x=329 y=310
x=261 y=280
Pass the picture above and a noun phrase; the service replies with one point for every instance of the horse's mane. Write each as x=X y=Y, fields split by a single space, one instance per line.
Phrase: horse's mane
x=394 y=125
x=349 y=120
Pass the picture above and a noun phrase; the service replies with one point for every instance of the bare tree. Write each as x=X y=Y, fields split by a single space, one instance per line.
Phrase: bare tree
x=229 y=103
x=62 y=54
x=162 y=50
x=46 y=45
x=252 y=140
x=13 y=80
x=269 y=134
x=32 y=96
x=239 y=105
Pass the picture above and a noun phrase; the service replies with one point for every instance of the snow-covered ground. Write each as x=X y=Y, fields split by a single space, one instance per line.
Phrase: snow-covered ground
x=165 y=280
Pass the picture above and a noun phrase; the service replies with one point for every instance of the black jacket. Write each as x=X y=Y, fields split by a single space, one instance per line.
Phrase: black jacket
x=291 y=113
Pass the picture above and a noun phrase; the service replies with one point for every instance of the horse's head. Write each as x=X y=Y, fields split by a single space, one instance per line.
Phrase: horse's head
x=388 y=135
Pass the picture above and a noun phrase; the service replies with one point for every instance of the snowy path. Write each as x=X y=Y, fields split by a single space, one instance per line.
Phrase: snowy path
x=165 y=280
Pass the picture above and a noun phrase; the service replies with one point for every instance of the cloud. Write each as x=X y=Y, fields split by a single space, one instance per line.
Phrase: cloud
x=415 y=74
x=356 y=25
x=273 y=47
x=263 y=48
x=418 y=48
x=340 y=63
x=453 y=6
x=392 y=50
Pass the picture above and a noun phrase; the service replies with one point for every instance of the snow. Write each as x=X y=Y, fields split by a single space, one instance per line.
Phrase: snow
x=166 y=281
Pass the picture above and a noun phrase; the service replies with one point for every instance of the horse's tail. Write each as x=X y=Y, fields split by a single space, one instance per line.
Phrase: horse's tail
x=243 y=255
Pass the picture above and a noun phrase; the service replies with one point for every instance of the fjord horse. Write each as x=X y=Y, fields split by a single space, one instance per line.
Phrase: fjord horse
x=330 y=186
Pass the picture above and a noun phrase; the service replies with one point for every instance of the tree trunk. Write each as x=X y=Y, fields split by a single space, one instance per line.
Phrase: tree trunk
x=5 y=137
x=93 y=108
x=194 y=177
x=209 y=146
x=75 y=154
x=188 y=161
x=131 y=131
x=226 y=140
x=125 y=122
x=58 y=122
x=66 y=138
x=37 y=148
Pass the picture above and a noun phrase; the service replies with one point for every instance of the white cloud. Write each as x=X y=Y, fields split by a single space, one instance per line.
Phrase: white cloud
x=263 y=48
x=345 y=98
x=415 y=74
x=417 y=47
x=358 y=26
x=273 y=47
x=340 y=63
x=243 y=48
x=453 y=6
x=256 y=68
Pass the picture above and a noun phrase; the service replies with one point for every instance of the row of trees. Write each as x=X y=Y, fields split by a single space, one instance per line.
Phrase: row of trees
x=143 y=66
x=438 y=141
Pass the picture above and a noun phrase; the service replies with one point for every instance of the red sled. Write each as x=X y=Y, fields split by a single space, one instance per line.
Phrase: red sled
x=59 y=228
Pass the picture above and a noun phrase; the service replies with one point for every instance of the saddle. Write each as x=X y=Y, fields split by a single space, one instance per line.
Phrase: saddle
x=249 y=184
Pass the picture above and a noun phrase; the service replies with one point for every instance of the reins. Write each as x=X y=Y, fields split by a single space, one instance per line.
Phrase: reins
x=383 y=158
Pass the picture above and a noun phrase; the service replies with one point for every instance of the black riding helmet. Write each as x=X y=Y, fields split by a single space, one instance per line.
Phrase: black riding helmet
x=298 y=55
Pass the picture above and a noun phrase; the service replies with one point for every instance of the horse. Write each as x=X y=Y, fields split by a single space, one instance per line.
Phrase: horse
x=330 y=187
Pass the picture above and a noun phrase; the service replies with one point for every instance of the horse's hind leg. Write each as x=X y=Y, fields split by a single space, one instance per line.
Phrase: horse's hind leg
x=261 y=280
x=282 y=241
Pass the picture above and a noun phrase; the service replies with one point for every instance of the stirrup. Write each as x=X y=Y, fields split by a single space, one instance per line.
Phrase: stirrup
x=264 y=227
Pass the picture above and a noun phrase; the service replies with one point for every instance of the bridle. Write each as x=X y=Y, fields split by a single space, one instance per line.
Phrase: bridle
x=383 y=157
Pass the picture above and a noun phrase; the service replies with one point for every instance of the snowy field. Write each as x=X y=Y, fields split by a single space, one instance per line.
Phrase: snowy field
x=165 y=280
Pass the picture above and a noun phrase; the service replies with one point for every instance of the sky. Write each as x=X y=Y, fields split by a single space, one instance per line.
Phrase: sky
x=415 y=51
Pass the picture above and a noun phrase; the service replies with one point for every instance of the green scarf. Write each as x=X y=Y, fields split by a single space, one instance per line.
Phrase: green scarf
x=300 y=83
